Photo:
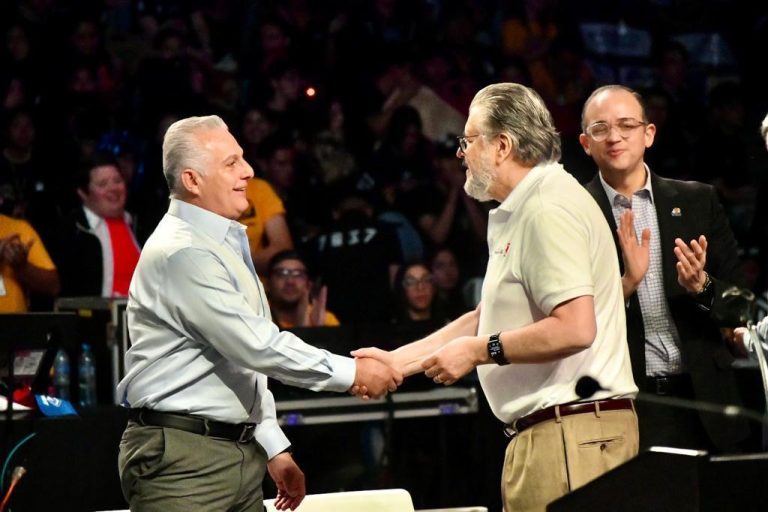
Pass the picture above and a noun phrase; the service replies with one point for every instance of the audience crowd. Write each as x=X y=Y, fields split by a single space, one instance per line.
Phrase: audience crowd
x=349 y=113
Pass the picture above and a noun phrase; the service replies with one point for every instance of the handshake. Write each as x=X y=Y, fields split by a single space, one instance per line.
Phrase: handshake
x=379 y=372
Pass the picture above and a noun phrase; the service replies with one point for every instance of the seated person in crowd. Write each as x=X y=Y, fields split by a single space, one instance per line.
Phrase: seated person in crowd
x=25 y=266
x=290 y=294
x=415 y=296
x=96 y=250
x=447 y=280
x=265 y=223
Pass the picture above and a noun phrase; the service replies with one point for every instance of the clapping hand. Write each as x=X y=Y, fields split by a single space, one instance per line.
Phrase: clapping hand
x=636 y=255
x=691 y=260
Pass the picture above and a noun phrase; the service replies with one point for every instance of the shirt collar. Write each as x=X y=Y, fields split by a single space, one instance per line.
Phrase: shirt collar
x=212 y=224
x=528 y=182
x=612 y=193
x=94 y=220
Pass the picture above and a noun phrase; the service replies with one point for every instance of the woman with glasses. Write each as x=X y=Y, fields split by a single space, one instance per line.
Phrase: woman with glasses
x=416 y=295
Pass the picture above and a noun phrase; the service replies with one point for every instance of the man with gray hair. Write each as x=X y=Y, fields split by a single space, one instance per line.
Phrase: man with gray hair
x=551 y=309
x=202 y=428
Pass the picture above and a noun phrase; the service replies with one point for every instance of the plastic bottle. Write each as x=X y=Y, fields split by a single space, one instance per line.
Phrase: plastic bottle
x=86 y=375
x=61 y=374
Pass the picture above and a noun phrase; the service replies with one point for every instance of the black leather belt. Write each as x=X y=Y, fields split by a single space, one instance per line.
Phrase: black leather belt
x=674 y=385
x=240 y=432
x=550 y=413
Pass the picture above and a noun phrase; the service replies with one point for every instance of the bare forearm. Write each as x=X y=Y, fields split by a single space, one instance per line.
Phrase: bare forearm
x=440 y=229
x=39 y=280
x=408 y=357
x=546 y=340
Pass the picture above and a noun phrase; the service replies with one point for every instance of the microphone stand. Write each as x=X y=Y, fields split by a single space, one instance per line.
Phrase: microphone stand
x=757 y=343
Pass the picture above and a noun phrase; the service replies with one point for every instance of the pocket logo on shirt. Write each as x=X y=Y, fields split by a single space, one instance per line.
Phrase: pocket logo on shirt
x=503 y=251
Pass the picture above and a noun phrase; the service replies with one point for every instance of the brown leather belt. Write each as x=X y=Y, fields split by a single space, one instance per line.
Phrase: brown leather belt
x=550 y=413
x=240 y=432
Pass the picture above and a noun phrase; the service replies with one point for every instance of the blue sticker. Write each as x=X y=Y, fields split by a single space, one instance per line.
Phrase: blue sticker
x=52 y=406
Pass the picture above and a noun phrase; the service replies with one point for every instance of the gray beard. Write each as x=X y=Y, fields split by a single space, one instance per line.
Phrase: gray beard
x=478 y=185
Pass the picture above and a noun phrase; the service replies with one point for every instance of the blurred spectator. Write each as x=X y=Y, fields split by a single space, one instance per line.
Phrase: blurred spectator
x=25 y=267
x=404 y=158
x=96 y=250
x=330 y=148
x=255 y=127
x=672 y=153
x=284 y=168
x=265 y=223
x=167 y=80
x=355 y=249
x=675 y=78
x=730 y=155
x=293 y=298
x=21 y=75
x=446 y=215
x=446 y=277
x=27 y=173
x=415 y=296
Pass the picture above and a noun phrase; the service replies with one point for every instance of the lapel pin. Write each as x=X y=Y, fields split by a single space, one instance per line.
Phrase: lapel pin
x=676 y=212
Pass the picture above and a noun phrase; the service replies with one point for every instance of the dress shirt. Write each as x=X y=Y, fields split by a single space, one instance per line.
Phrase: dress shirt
x=662 y=341
x=203 y=342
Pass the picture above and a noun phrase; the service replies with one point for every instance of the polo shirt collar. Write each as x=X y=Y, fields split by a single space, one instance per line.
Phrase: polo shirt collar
x=529 y=181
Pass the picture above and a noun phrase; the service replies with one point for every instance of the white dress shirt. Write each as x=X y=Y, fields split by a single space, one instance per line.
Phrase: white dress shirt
x=203 y=341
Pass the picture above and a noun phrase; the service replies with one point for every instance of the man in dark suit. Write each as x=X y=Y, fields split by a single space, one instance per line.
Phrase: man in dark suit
x=673 y=275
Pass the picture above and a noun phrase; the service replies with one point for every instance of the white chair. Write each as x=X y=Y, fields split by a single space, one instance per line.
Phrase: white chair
x=384 y=500
x=458 y=509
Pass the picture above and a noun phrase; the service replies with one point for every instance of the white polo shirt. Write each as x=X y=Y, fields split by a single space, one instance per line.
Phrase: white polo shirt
x=549 y=243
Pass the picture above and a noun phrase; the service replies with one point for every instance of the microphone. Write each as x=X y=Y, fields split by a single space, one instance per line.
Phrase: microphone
x=587 y=386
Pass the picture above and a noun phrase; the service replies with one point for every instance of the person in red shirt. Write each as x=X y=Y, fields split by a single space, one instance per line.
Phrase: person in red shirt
x=97 y=251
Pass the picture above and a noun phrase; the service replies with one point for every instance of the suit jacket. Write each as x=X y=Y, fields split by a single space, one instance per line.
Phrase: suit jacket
x=687 y=209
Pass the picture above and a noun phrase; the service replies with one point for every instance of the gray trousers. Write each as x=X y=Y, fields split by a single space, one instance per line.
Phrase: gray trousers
x=170 y=470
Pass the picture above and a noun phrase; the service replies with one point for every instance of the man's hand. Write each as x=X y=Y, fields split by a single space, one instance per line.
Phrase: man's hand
x=455 y=360
x=690 y=264
x=373 y=379
x=317 y=316
x=289 y=480
x=636 y=255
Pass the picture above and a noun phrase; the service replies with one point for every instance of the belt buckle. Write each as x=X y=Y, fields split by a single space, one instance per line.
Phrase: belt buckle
x=247 y=433
x=510 y=430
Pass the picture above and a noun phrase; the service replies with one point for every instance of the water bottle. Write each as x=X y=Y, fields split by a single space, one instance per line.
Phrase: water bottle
x=61 y=374
x=86 y=375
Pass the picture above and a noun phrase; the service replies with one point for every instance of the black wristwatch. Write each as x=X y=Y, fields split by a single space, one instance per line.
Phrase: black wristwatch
x=495 y=350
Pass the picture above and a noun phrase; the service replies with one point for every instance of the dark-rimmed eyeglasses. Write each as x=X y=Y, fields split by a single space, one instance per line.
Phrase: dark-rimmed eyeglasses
x=464 y=140
x=600 y=130
x=285 y=273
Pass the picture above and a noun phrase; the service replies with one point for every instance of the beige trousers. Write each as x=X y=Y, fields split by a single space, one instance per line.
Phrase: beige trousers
x=552 y=458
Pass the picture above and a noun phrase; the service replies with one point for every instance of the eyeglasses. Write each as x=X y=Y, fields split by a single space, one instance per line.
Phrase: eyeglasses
x=600 y=130
x=464 y=140
x=410 y=282
x=285 y=273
